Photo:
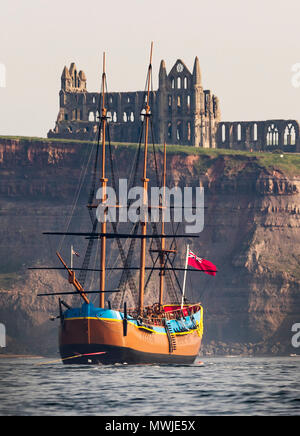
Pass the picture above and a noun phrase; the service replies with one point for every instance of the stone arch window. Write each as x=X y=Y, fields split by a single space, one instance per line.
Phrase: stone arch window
x=188 y=131
x=223 y=133
x=172 y=83
x=143 y=114
x=169 y=129
x=254 y=132
x=272 y=135
x=188 y=102
x=125 y=118
x=239 y=132
x=178 y=101
x=131 y=117
x=179 y=131
x=115 y=118
x=178 y=82
x=170 y=101
x=109 y=116
x=110 y=100
x=91 y=116
x=94 y=99
x=289 y=136
x=185 y=82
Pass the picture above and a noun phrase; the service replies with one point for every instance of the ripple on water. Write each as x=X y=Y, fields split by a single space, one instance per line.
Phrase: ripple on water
x=220 y=386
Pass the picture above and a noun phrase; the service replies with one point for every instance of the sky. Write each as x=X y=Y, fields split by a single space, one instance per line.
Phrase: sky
x=249 y=53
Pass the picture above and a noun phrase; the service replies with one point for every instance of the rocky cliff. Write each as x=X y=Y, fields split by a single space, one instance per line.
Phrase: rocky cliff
x=251 y=232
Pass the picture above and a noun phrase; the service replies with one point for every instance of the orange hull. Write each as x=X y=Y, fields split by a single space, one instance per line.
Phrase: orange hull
x=140 y=345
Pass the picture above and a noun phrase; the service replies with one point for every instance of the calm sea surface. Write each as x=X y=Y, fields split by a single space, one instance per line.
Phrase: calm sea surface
x=219 y=386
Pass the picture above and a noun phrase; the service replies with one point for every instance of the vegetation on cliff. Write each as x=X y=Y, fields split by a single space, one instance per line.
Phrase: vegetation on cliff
x=288 y=163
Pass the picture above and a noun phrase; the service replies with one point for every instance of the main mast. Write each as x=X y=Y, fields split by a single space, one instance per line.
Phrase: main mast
x=162 y=252
x=103 y=181
x=145 y=195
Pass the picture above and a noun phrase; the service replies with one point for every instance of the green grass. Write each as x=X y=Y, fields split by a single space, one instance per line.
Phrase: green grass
x=289 y=163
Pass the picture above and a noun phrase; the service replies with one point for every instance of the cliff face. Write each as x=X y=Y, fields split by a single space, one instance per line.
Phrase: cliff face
x=251 y=233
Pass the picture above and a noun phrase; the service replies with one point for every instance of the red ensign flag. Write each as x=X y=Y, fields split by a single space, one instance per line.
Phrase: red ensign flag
x=202 y=264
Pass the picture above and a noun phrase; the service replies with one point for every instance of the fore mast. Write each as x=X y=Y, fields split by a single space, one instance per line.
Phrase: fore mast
x=145 y=194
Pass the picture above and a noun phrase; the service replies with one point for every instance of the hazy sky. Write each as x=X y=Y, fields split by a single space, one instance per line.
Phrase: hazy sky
x=246 y=51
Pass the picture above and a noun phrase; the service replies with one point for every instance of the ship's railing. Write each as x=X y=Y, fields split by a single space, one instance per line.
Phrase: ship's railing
x=159 y=319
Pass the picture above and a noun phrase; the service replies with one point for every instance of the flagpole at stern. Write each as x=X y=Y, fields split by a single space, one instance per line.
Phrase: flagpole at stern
x=185 y=270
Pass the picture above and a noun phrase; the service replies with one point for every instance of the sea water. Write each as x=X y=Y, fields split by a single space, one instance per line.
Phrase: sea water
x=210 y=386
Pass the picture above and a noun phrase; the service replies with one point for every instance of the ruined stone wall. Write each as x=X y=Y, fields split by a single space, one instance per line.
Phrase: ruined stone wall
x=182 y=111
x=266 y=135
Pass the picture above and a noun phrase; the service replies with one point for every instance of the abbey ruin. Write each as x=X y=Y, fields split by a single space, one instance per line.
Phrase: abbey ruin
x=183 y=112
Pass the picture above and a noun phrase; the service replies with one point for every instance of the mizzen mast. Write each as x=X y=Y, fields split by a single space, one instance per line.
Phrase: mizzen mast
x=162 y=253
x=145 y=193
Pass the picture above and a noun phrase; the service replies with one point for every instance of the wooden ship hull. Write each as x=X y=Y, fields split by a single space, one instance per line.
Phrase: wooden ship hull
x=87 y=331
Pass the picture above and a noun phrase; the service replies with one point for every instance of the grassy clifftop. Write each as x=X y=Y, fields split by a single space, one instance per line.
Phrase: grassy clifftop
x=288 y=163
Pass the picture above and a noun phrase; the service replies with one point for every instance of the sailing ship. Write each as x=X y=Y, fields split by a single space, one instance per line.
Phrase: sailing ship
x=163 y=332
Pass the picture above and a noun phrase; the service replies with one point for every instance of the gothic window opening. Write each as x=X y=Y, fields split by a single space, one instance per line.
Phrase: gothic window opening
x=188 y=102
x=173 y=83
x=91 y=116
x=169 y=130
x=179 y=131
x=132 y=117
x=143 y=114
x=254 y=132
x=272 y=135
x=125 y=117
x=185 y=83
x=239 y=132
x=188 y=131
x=170 y=101
x=114 y=118
x=178 y=101
x=289 y=137
x=109 y=117
x=223 y=133
x=178 y=82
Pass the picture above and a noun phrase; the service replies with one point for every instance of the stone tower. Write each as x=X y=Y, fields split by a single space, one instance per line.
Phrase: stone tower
x=186 y=113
